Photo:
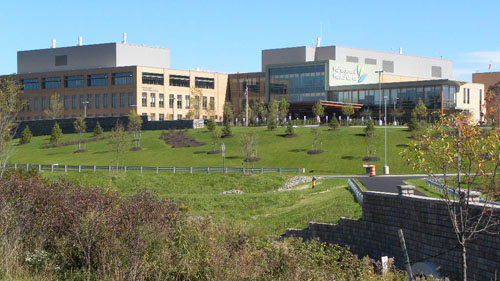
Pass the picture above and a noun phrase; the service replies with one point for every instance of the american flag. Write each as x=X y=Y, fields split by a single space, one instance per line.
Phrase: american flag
x=246 y=91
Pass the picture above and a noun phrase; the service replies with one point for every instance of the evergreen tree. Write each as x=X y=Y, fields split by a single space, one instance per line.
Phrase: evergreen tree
x=211 y=125
x=56 y=134
x=413 y=125
x=97 y=130
x=289 y=129
x=226 y=131
x=318 y=109
x=271 y=124
x=420 y=111
x=334 y=123
x=26 y=136
x=370 y=130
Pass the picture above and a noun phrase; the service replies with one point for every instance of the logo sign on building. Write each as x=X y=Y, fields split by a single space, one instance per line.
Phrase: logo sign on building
x=346 y=73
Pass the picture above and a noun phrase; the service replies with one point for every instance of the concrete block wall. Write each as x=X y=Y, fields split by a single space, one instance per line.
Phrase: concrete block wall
x=427 y=229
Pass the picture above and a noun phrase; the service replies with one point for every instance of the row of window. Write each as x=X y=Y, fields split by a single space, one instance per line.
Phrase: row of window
x=78 y=81
x=161 y=116
x=177 y=101
x=177 y=80
x=84 y=101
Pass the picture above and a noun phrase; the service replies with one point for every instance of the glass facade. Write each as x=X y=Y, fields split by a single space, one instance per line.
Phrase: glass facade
x=204 y=83
x=30 y=84
x=152 y=78
x=130 y=99
x=179 y=81
x=97 y=80
x=75 y=81
x=51 y=83
x=122 y=78
x=304 y=83
x=105 y=100
x=97 y=100
x=256 y=83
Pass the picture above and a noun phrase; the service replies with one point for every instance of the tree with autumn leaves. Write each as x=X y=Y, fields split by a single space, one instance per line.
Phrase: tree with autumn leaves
x=492 y=99
x=462 y=156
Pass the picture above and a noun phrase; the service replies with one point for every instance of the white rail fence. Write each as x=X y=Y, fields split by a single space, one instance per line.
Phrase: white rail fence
x=446 y=189
x=141 y=169
x=356 y=190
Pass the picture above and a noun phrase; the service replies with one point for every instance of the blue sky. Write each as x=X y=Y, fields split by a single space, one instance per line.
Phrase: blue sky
x=228 y=36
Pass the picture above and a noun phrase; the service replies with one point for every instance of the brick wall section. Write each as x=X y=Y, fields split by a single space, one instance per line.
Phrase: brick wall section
x=44 y=127
x=427 y=230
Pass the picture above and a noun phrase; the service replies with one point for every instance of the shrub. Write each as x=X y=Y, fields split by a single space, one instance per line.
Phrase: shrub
x=370 y=129
x=56 y=133
x=97 y=130
x=211 y=125
x=413 y=125
x=334 y=123
x=271 y=124
x=226 y=131
x=290 y=130
x=26 y=136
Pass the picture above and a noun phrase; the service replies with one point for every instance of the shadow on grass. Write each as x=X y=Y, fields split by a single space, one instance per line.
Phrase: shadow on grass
x=199 y=152
x=234 y=157
x=350 y=157
x=297 y=150
x=360 y=135
x=402 y=145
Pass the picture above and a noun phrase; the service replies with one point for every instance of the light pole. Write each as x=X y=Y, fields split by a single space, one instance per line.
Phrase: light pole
x=394 y=112
x=223 y=148
x=85 y=108
x=386 y=168
x=380 y=96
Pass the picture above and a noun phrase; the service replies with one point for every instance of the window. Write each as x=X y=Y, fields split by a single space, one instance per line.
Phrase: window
x=468 y=96
x=352 y=59
x=152 y=78
x=61 y=60
x=171 y=117
x=465 y=95
x=179 y=81
x=171 y=101
x=131 y=99
x=73 y=102
x=436 y=71
x=205 y=117
x=161 y=101
x=105 y=100
x=144 y=99
x=122 y=78
x=97 y=100
x=179 y=101
x=388 y=66
x=187 y=101
x=89 y=100
x=30 y=84
x=113 y=100
x=179 y=116
x=36 y=104
x=122 y=99
x=75 y=81
x=66 y=102
x=205 y=103
x=51 y=83
x=212 y=103
x=44 y=103
x=153 y=100
x=152 y=117
x=161 y=117
x=371 y=61
x=204 y=83
x=82 y=100
x=197 y=102
x=97 y=79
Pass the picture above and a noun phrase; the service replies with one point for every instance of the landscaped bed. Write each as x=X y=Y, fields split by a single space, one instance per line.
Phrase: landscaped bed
x=177 y=139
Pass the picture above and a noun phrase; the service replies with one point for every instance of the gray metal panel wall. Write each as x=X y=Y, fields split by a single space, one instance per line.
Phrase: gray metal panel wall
x=127 y=55
x=325 y=53
x=78 y=57
x=287 y=55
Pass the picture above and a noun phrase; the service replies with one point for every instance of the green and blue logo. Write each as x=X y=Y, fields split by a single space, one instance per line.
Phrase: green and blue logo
x=361 y=74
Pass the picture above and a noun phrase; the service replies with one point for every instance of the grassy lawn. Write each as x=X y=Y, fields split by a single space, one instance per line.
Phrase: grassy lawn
x=343 y=148
x=259 y=206
x=424 y=187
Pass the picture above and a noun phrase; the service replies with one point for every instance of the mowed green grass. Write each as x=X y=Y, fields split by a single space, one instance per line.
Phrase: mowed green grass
x=343 y=148
x=259 y=206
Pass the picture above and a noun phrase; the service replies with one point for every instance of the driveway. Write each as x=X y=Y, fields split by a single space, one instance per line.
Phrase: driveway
x=386 y=184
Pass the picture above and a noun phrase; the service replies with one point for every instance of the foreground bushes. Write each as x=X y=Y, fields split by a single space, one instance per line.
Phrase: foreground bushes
x=60 y=231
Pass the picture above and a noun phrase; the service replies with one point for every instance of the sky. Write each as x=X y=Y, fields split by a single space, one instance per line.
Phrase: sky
x=228 y=36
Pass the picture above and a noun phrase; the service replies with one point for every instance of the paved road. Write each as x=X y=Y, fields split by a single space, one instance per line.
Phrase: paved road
x=386 y=184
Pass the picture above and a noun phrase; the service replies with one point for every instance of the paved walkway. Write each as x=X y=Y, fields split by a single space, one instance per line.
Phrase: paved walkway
x=386 y=184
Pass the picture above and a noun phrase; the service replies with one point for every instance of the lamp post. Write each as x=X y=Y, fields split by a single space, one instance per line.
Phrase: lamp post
x=380 y=96
x=223 y=148
x=85 y=108
x=394 y=112
x=386 y=168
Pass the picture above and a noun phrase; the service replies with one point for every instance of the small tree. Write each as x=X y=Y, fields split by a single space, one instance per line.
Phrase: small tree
x=26 y=136
x=413 y=125
x=492 y=99
x=248 y=146
x=227 y=131
x=272 y=110
x=215 y=138
x=420 y=111
x=196 y=99
x=370 y=136
x=56 y=134
x=284 y=106
x=228 y=112
x=118 y=141
x=348 y=110
x=290 y=130
x=271 y=124
x=97 y=130
x=398 y=113
x=211 y=125
x=334 y=123
x=366 y=113
x=318 y=109
x=55 y=106
x=316 y=134
x=134 y=126
x=80 y=127
x=457 y=153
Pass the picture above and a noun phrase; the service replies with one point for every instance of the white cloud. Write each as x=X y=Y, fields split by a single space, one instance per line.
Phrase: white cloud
x=484 y=57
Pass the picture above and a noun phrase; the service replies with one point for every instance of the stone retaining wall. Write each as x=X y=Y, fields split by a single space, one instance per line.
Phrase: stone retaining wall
x=427 y=230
